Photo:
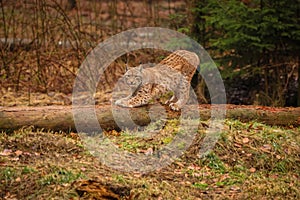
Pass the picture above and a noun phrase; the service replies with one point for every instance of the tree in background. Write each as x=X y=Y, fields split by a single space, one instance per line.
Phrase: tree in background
x=72 y=4
x=254 y=39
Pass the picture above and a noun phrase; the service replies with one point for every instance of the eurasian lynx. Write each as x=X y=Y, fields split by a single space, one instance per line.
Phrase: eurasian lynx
x=174 y=73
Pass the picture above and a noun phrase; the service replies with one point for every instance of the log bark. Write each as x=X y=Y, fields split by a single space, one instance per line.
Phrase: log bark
x=61 y=117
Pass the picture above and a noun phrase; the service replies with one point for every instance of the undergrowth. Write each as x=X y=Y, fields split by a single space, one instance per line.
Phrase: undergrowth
x=250 y=161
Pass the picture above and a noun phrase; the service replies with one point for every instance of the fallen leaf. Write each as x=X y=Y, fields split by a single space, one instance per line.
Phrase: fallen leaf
x=197 y=174
x=94 y=188
x=18 y=152
x=27 y=153
x=137 y=175
x=10 y=196
x=267 y=146
x=179 y=164
x=245 y=140
x=37 y=154
x=188 y=183
x=177 y=171
x=194 y=167
x=149 y=151
x=252 y=170
x=114 y=133
x=235 y=188
x=6 y=152
x=274 y=176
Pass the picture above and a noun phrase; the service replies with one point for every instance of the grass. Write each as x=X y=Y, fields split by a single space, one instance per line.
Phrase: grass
x=60 y=176
x=250 y=161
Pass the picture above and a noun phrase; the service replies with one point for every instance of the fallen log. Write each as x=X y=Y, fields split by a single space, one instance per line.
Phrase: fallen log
x=62 y=118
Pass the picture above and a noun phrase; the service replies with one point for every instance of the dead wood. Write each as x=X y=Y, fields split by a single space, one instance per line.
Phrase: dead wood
x=61 y=117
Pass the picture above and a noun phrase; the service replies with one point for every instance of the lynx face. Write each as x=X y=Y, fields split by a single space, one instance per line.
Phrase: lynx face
x=133 y=77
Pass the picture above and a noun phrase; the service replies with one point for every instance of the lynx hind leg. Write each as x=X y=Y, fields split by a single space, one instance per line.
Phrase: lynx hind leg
x=178 y=105
x=172 y=99
x=182 y=95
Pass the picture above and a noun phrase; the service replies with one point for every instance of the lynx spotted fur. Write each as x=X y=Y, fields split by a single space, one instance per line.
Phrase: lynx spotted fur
x=174 y=73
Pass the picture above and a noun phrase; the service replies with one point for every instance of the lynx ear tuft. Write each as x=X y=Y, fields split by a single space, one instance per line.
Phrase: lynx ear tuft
x=126 y=67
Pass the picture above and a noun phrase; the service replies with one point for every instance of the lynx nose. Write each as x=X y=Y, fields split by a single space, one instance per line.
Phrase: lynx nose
x=130 y=82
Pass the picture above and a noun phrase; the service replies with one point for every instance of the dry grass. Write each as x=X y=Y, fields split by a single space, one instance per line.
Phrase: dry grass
x=250 y=161
x=43 y=43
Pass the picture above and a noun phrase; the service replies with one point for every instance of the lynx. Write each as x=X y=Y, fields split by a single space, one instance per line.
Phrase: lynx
x=174 y=73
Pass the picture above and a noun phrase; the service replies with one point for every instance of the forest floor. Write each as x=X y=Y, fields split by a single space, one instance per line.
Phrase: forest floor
x=250 y=161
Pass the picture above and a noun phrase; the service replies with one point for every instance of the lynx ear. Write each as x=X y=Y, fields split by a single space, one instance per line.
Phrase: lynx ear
x=127 y=67
x=140 y=68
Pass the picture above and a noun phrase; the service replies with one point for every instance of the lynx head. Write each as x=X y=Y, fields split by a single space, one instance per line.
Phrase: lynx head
x=133 y=77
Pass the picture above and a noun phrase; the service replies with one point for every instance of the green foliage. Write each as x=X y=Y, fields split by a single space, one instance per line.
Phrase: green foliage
x=60 y=176
x=28 y=170
x=8 y=174
x=215 y=163
x=200 y=185
x=252 y=38
x=252 y=29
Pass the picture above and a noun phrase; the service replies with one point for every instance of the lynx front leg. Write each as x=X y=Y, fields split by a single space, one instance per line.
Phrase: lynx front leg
x=140 y=98
x=122 y=102
x=173 y=98
x=130 y=103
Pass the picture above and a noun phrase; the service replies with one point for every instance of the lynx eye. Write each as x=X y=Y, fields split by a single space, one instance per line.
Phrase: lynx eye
x=137 y=78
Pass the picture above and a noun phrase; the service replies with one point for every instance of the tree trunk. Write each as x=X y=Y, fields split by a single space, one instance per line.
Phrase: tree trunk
x=61 y=117
x=72 y=4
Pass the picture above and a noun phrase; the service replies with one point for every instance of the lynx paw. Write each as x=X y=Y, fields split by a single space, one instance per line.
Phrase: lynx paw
x=122 y=103
x=169 y=101
x=174 y=107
